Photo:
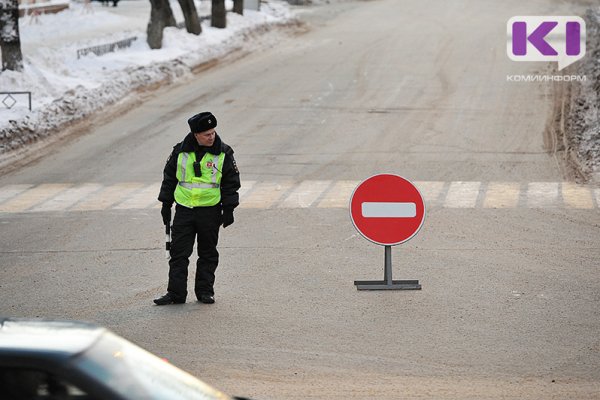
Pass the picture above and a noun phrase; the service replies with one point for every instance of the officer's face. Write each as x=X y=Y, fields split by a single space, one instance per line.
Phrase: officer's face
x=206 y=138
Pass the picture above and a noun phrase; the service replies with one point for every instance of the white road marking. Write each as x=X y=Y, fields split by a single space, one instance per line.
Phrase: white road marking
x=502 y=195
x=542 y=194
x=305 y=194
x=143 y=198
x=339 y=195
x=246 y=187
x=32 y=197
x=430 y=191
x=107 y=197
x=11 y=191
x=67 y=198
x=265 y=194
x=576 y=196
x=462 y=195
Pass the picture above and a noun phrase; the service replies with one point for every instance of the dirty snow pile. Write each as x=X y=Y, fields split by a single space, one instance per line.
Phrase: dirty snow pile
x=583 y=120
x=65 y=88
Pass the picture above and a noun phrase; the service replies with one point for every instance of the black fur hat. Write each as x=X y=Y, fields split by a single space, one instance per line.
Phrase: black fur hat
x=202 y=122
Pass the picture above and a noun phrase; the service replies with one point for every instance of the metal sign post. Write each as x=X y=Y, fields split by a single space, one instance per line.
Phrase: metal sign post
x=388 y=283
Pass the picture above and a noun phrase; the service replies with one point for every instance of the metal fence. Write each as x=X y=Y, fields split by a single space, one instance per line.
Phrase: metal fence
x=106 y=48
x=9 y=101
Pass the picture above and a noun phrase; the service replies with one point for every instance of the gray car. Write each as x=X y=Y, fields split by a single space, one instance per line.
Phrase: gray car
x=49 y=359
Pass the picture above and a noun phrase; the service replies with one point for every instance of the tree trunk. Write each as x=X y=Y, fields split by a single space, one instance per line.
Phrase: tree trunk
x=192 y=23
x=218 y=14
x=10 y=41
x=155 y=26
x=161 y=15
x=238 y=6
x=168 y=14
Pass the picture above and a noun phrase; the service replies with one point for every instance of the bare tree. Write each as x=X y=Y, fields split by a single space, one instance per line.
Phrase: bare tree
x=238 y=6
x=192 y=23
x=161 y=16
x=10 y=40
x=218 y=14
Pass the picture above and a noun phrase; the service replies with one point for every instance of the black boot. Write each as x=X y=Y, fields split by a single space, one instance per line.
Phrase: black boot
x=206 y=299
x=167 y=299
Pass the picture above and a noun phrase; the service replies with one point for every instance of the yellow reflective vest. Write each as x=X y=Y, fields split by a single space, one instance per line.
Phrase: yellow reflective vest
x=199 y=191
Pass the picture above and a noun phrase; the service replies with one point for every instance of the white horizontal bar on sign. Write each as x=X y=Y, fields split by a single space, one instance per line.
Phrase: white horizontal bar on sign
x=388 y=210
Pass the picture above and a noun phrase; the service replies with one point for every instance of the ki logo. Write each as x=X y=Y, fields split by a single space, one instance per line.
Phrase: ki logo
x=559 y=39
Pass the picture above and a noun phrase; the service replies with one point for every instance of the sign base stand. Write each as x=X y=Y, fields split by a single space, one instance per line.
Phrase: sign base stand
x=388 y=283
x=383 y=285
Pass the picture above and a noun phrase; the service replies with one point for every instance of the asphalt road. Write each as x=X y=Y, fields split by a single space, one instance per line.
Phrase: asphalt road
x=508 y=255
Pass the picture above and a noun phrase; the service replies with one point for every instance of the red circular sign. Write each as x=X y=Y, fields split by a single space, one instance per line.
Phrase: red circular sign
x=387 y=209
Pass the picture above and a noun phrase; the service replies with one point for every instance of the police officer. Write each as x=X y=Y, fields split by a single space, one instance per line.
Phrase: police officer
x=202 y=178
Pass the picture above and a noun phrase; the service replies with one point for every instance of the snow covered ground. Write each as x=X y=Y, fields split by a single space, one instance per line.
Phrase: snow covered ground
x=65 y=88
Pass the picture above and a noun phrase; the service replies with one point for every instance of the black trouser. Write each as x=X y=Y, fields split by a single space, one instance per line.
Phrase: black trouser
x=190 y=223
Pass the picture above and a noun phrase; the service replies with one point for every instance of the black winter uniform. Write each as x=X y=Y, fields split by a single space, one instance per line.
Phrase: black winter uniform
x=200 y=222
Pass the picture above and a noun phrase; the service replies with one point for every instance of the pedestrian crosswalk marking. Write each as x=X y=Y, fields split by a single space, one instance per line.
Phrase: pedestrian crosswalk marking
x=542 y=194
x=246 y=187
x=462 y=195
x=305 y=194
x=430 y=191
x=67 y=198
x=502 y=195
x=11 y=191
x=576 y=196
x=53 y=197
x=107 y=197
x=142 y=198
x=265 y=194
x=338 y=196
x=32 y=197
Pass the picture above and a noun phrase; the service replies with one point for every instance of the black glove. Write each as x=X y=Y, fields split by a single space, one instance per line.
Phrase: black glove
x=165 y=211
x=227 y=217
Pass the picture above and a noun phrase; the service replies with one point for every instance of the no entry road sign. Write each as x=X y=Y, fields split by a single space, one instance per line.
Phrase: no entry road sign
x=387 y=209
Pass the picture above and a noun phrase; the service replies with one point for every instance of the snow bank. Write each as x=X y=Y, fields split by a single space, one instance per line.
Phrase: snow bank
x=66 y=88
x=583 y=119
